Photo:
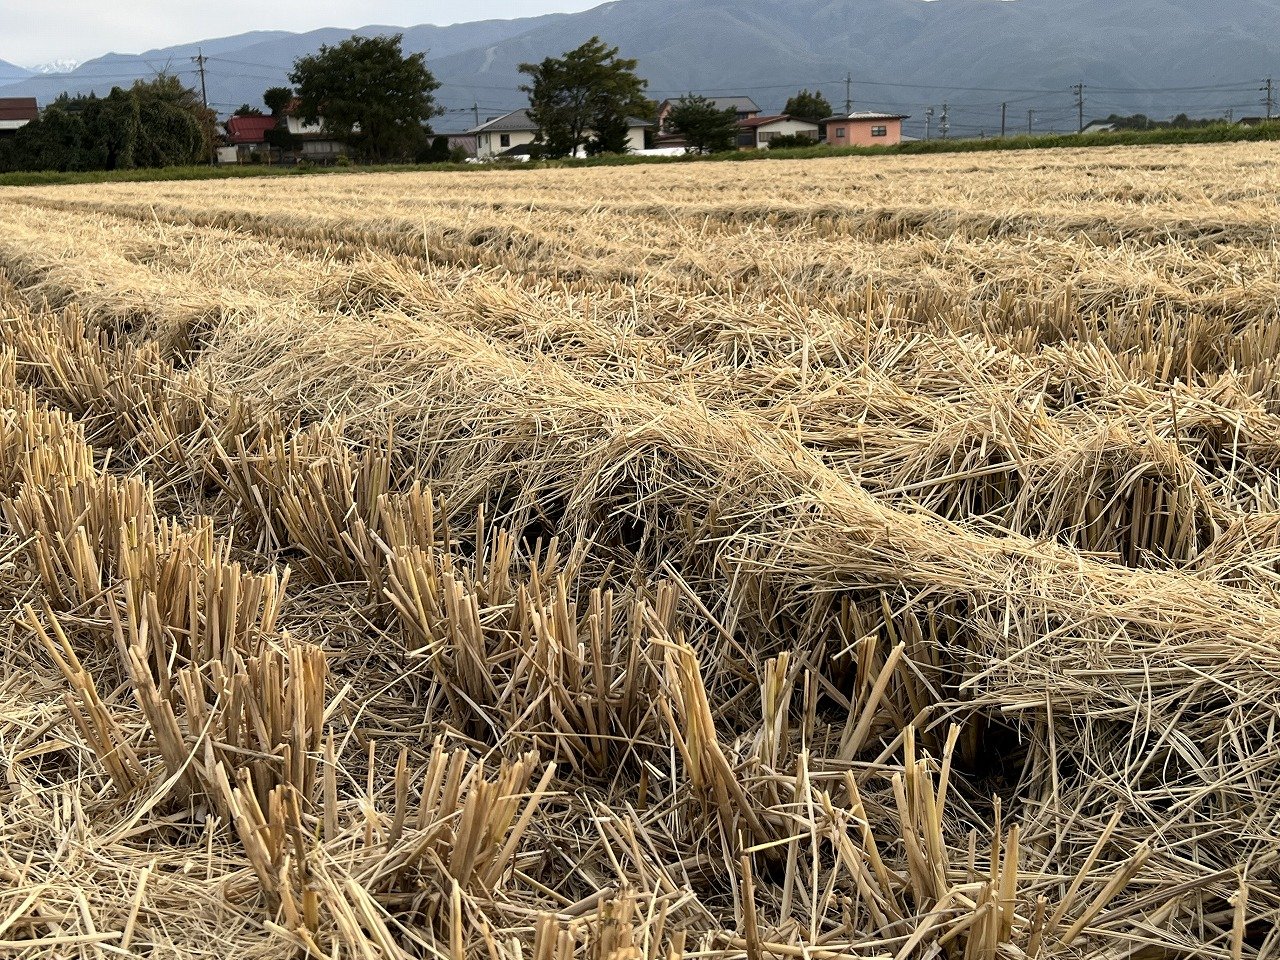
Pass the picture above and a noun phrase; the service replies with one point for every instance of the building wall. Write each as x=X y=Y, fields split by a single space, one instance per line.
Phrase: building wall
x=857 y=133
x=635 y=139
x=490 y=144
x=298 y=128
x=322 y=149
x=785 y=128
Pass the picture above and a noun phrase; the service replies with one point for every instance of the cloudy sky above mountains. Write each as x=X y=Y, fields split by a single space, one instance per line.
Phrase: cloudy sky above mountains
x=72 y=29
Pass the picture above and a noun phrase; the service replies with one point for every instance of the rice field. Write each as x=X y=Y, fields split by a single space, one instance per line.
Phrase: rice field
x=858 y=558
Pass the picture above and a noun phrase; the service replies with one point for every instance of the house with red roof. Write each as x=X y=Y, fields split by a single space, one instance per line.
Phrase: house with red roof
x=247 y=138
x=16 y=113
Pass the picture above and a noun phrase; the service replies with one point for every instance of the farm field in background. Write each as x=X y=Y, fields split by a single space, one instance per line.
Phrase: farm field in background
x=865 y=557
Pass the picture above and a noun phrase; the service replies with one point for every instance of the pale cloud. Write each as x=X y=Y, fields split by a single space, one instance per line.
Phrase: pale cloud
x=37 y=31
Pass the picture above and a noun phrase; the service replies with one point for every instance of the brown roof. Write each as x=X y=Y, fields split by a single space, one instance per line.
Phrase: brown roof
x=19 y=108
x=765 y=121
x=249 y=129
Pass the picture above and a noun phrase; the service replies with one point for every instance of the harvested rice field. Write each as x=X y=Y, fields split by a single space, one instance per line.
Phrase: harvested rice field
x=873 y=557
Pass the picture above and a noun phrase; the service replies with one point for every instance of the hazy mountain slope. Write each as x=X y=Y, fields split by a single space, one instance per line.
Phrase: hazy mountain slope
x=10 y=72
x=931 y=50
x=242 y=66
x=903 y=54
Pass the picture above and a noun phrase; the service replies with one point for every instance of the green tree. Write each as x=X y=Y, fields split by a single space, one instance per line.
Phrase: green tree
x=277 y=99
x=808 y=106
x=175 y=128
x=54 y=141
x=584 y=98
x=247 y=110
x=787 y=140
x=704 y=128
x=112 y=129
x=434 y=150
x=368 y=94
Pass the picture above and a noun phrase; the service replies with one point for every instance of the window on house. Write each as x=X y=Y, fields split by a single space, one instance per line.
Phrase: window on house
x=840 y=134
x=766 y=137
x=879 y=131
x=504 y=139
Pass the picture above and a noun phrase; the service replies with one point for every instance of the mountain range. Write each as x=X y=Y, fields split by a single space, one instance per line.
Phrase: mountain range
x=12 y=73
x=1160 y=57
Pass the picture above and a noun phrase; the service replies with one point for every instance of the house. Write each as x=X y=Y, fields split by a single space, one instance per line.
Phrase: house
x=16 y=113
x=318 y=145
x=1099 y=126
x=514 y=130
x=761 y=130
x=248 y=137
x=745 y=107
x=864 y=129
x=1243 y=121
x=500 y=134
x=465 y=141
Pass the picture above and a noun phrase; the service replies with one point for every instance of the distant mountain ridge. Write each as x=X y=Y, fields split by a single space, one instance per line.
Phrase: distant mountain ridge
x=1157 y=56
x=55 y=66
x=11 y=73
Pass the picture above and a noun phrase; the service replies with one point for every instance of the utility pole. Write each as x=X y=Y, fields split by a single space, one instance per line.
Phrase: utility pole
x=1031 y=119
x=476 y=107
x=1270 y=101
x=928 y=122
x=1078 y=90
x=848 y=94
x=199 y=60
x=1004 y=116
x=946 y=122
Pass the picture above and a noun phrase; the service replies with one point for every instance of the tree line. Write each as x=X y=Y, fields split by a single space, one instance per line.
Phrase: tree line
x=154 y=123
x=376 y=100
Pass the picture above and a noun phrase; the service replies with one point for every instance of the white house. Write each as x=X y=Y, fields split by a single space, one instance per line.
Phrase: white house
x=517 y=129
x=317 y=143
x=765 y=129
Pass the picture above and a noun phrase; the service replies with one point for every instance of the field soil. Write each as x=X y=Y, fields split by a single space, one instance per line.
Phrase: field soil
x=849 y=558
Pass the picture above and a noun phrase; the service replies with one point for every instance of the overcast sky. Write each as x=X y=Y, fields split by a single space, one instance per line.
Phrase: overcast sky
x=38 y=32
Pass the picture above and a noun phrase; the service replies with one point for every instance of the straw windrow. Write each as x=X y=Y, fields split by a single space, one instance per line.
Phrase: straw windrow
x=645 y=563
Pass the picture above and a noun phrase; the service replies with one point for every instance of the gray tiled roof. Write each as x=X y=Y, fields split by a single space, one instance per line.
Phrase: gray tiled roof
x=865 y=115
x=519 y=121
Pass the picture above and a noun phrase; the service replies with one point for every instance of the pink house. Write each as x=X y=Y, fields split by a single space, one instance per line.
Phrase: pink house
x=864 y=130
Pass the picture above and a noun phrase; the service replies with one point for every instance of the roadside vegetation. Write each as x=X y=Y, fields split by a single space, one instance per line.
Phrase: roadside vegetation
x=1222 y=133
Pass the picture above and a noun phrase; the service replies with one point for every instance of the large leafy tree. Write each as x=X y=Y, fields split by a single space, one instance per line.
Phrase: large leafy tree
x=584 y=99
x=369 y=94
x=277 y=99
x=808 y=106
x=175 y=128
x=704 y=128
